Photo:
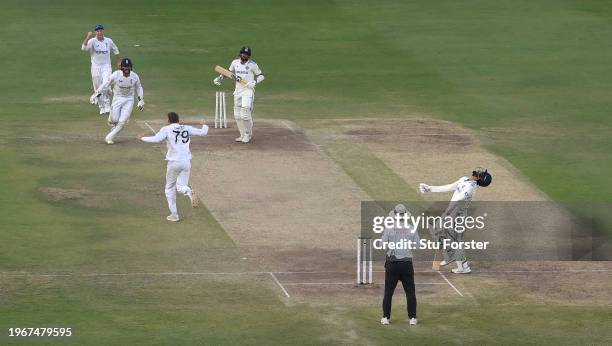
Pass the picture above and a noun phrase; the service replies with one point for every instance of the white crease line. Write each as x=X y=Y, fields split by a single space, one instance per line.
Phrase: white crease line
x=351 y=283
x=132 y=274
x=25 y=274
x=407 y=134
x=453 y=286
x=545 y=271
x=149 y=126
x=289 y=127
x=280 y=285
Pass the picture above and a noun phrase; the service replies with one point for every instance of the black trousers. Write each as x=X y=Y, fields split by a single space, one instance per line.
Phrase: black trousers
x=404 y=272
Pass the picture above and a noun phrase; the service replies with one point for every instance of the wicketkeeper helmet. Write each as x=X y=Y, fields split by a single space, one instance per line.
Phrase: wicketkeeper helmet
x=126 y=62
x=484 y=177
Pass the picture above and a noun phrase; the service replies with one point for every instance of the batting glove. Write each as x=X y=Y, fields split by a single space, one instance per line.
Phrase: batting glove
x=93 y=99
x=251 y=84
x=141 y=104
x=423 y=188
x=217 y=81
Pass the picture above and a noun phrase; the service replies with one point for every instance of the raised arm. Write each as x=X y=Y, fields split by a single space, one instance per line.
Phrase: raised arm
x=158 y=138
x=442 y=188
x=84 y=45
x=200 y=132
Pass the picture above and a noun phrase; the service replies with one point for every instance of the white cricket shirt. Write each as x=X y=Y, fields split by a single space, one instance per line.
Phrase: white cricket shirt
x=100 y=50
x=177 y=139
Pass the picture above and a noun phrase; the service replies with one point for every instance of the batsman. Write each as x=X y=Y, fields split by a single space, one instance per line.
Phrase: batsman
x=463 y=192
x=247 y=75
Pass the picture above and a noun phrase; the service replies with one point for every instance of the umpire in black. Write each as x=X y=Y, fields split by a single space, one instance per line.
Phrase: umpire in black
x=398 y=265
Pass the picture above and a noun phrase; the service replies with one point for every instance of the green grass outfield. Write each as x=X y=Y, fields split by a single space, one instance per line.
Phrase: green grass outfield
x=531 y=77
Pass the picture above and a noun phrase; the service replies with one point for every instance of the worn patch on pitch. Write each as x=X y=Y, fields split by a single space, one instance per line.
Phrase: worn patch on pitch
x=269 y=135
x=82 y=197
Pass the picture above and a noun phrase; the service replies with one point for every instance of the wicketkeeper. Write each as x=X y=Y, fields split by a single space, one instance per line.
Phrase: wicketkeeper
x=126 y=84
x=244 y=69
x=464 y=190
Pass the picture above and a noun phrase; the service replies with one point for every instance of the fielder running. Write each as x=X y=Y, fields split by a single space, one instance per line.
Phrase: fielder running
x=244 y=69
x=99 y=48
x=177 y=139
x=464 y=190
x=126 y=84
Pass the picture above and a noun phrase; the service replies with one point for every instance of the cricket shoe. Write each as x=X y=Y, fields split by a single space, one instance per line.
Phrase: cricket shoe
x=110 y=142
x=239 y=139
x=465 y=269
x=385 y=321
x=173 y=218
x=413 y=321
x=102 y=111
x=195 y=202
x=246 y=138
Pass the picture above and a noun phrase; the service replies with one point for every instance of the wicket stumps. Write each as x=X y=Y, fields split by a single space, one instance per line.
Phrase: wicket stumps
x=364 y=260
x=220 y=110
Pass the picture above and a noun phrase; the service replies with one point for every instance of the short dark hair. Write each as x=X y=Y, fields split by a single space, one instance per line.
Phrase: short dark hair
x=173 y=118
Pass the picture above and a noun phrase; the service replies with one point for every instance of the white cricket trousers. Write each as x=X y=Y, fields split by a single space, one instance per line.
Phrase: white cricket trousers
x=121 y=111
x=99 y=75
x=243 y=110
x=177 y=179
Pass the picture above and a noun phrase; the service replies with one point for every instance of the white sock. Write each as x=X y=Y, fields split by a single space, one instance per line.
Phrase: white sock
x=459 y=265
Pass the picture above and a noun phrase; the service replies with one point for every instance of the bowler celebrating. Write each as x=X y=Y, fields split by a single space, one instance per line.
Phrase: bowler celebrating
x=177 y=138
x=99 y=48
x=244 y=70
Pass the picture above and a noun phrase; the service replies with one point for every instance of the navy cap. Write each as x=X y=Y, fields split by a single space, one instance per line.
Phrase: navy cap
x=99 y=27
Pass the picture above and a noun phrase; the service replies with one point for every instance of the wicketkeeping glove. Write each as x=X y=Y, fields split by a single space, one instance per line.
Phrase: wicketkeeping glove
x=424 y=188
x=217 y=81
x=140 y=104
x=93 y=99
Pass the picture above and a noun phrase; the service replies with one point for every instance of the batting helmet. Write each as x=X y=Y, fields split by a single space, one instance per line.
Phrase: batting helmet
x=246 y=50
x=484 y=177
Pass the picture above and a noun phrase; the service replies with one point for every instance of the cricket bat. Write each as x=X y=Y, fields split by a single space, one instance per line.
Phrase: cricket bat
x=435 y=265
x=227 y=73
